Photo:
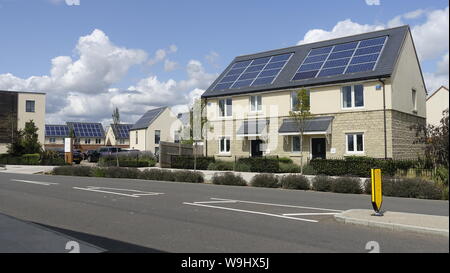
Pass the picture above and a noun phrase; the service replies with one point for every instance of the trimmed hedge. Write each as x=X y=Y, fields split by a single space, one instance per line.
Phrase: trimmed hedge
x=119 y=172
x=359 y=166
x=228 y=178
x=221 y=165
x=295 y=182
x=261 y=164
x=409 y=188
x=157 y=174
x=265 y=180
x=73 y=170
x=322 y=183
x=26 y=159
x=347 y=185
x=189 y=176
x=187 y=162
x=289 y=168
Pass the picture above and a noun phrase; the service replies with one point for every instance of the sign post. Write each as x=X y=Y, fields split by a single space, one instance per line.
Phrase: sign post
x=68 y=150
x=377 y=192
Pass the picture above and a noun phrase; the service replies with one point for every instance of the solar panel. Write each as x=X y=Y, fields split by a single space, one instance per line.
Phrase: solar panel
x=122 y=130
x=87 y=129
x=56 y=130
x=259 y=71
x=341 y=59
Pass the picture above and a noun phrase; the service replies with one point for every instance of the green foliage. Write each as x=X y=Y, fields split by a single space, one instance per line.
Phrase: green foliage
x=296 y=182
x=220 y=165
x=261 y=164
x=72 y=170
x=347 y=185
x=241 y=167
x=322 y=183
x=119 y=172
x=187 y=162
x=441 y=176
x=266 y=180
x=286 y=160
x=308 y=170
x=25 y=141
x=157 y=175
x=289 y=168
x=228 y=178
x=409 y=188
x=125 y=160
x=98 y=172
x=189 y=176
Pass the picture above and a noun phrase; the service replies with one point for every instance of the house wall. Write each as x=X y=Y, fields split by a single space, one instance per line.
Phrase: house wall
x=141 y=145
x=110 y=138
x=38 y=116
x=436 y=104
x=167 y=123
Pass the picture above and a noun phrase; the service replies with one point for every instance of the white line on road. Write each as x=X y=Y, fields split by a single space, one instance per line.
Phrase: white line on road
x=278 y=205
x=216 y=202
x=310 y=214
x=34 y=182
x=253 y=212
x=134 y=195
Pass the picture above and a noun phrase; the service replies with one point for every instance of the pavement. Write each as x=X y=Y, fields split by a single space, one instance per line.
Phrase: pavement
x=25 y=169
x=397 y=221
x=126 y=215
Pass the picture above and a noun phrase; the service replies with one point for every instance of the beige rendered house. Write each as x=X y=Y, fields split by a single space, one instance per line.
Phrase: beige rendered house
x=18 y=108
x=436 y=104
x=155 y=125
x=118 y=135
x=88 y=135
x=365 y=92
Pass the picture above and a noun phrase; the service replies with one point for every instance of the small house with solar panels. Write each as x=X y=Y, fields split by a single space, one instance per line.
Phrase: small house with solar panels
x=155 y=125
x=118 y=135
x=365 y=91
x=88 y=136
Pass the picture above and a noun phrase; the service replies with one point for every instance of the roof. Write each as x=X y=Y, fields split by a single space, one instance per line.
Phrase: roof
x=184 y=118
x=87 y=129
x=252 y=127
x=318 y=124
x=56 y=130
x=121 y=131
x=440 y=88
x=147 y=119
x=384 y=68
x=23 y=92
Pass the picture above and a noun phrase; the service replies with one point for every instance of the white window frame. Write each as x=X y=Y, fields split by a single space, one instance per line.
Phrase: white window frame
x=414 y=99
x=52 y=140
x=355 y=134
x=258 y=106
x=353 y=100
x=292 y=144
x=98 y=141
x=225 y=145
x=226 y=114
x=31 y=109
x=122 y=141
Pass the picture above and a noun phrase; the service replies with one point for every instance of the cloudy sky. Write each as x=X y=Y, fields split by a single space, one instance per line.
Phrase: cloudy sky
x=137 y=55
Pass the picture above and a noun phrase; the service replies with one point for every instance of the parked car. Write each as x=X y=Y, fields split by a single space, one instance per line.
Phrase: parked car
x=77 y=156
x=106 y=151
x=92 y=156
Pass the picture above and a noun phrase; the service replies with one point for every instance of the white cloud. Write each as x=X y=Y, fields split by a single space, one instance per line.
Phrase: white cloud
x=440 y=77
x=373 y=2
x=161 y=54
x=170 y=65
x=212 y=58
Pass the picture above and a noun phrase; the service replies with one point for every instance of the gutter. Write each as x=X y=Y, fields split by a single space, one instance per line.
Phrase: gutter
x=384 y=116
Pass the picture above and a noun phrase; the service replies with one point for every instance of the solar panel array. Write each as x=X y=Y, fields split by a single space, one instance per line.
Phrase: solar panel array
x=260 y=71
x=122 y=130
x=87 y=129
x=357 y=56
x=148 y=118
x=56 y=130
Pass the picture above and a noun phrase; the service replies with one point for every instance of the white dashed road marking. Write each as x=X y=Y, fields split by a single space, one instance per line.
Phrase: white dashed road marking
x=133 y=193
x=34 y=182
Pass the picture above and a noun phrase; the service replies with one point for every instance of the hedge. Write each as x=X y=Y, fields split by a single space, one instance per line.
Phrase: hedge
x=322 y=183
x=32 y=159
x=228 y=178
x=261 y=164
x=409 y=188
x=266 y=180
x=187 y=162
x=347 y=185
x=296 y=182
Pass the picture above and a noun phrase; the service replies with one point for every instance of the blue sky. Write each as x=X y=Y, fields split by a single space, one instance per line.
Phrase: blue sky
x=195 y=41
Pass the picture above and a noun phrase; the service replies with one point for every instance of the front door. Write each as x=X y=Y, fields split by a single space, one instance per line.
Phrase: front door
x=318 y=148
x=256 y=148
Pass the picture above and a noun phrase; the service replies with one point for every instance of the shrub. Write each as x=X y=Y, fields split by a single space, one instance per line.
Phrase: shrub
x=120 y=172
x=241 y=167
x=158 y=175
x=126 y=161
x=308 y=170
x=289 y=168
x=187 y=162
x=265 y=180
x=72 y=170
x=220 y=165
x=98 y=172
x=286 y=160
x=445 y=193
x=31 y=159
x=189 y=176
x=228 y=178
x=296 y=182
x=322 y=183
x=346 y=185
x=409 y=188
x=261 y=164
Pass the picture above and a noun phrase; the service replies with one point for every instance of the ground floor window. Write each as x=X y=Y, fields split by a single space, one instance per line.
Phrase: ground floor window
x=87 y=141
x=355 y=143
x=121 y=141
x=224 y=145
x=52 y=140
x=98 y=141
x=296 y=147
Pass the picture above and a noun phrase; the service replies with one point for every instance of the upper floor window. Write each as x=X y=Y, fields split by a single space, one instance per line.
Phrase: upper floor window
x=225 y=107
x=414 y=99
x=136 y=137
x=295 y=100
x=87 y=141
x=255 y=103
x=353 y=96
x=30 y=106
x=98 y=141
x=157 y=136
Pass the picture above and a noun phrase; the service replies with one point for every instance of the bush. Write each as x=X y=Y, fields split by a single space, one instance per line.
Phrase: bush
x=409 y=188
x=220 y=165
x=228 y=178
x=308 y=170
x=296 y=182
x=286 y=160
x=126 y=161
x=346 y=185
x=158 y=175
x=241 y=167
x=120 y=172
x=189 y=176
x=289 y=168
x=322 y=183
x=261 y=164
x=31 y=159
x=187 y=162
x=98 y=172
x=265 y=180
x=72 y=170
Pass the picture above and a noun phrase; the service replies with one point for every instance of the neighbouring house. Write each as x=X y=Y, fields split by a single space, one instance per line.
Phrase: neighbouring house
x=118 y=135
x=365 y=92
x=17 y=108
x=437 y=103
x=155 y=125
x=184 y=132
x=87 y=135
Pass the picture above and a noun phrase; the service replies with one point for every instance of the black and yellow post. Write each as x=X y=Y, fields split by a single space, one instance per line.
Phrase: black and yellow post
x=377 y=191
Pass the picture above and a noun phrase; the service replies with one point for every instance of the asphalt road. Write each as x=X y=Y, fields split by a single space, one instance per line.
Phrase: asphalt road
x=122 y=215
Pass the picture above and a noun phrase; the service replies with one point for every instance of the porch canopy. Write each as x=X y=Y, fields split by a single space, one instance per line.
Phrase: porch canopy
x=313 y=126
x=252 y=128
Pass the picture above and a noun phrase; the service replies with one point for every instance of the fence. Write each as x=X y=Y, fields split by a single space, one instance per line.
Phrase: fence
x=169 y=149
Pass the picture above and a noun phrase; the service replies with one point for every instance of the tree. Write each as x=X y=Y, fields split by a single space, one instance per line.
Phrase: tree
x=300 y=114
x=25 y=141
x=116 y=122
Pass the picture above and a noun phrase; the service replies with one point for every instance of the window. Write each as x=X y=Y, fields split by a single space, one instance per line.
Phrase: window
x=224 y=145
x=414 y=99
x=52 y=140
x=98 y=141
x=296 y=144
x=30 y=106
x=87 y=141
x=157 y=136
x=122 y=141
x=256 y=103
x=353 y=96
x=355 y=143
x=176 y=137
x=225 y=108
x=136 y=137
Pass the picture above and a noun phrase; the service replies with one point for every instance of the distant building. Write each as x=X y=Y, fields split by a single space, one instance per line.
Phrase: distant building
x=436 y=104
x=88 y=136
x=118 y=135
x=184 y=133
x=156 y=125
x=17 y=108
